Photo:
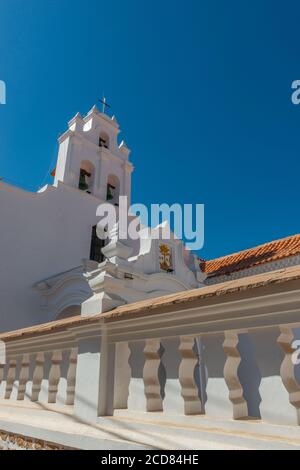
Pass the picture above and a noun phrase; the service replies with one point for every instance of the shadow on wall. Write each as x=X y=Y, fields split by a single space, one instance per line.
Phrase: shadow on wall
x=249 y=375
x=162 y=374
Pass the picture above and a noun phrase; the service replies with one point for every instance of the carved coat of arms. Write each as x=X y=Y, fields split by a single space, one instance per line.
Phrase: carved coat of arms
x=165 y=258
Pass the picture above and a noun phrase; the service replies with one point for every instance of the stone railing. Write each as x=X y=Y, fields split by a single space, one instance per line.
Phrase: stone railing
x=39 y=369
x=225 y=357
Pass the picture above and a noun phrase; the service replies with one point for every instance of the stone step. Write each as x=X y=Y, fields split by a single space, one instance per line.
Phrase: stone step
x=144 y=431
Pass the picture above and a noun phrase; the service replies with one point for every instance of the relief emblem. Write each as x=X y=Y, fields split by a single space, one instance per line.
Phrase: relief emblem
x=165 y=258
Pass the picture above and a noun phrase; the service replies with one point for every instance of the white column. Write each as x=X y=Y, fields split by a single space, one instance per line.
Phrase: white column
x=71 y=377
x=94 y=391
x=288 y=369
x=11 y=375
x=23 y=377
x=189 y=389
x=54 y=376
x=2 y=367
x=38 y=375
x=236 y=393
x=122 y=376
x=150 y=375
x=2 y=360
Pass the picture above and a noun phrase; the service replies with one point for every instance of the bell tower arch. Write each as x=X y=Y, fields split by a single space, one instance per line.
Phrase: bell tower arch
x=91 y=160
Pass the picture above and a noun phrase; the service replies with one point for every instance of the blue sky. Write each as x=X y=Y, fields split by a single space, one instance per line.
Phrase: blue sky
x=201 y=90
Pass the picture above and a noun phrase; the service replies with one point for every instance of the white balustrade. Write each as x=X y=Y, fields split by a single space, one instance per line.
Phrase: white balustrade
x=173 y=375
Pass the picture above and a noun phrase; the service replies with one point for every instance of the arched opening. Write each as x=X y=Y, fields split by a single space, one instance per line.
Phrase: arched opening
x=113 y=189
x=104 y=140
x=96 y=246
x=86 y=176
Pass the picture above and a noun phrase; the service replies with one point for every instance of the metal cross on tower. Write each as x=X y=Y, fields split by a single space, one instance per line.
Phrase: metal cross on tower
x=105 y=104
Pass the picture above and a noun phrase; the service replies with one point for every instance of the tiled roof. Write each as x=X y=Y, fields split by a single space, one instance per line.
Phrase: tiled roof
x=259 y=255
x=167 y=303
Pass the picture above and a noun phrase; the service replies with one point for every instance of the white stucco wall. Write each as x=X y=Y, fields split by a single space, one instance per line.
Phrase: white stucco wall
x=42 y=234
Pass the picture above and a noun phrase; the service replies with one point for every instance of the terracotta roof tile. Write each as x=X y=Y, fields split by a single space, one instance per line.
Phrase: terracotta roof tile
x=259 y=255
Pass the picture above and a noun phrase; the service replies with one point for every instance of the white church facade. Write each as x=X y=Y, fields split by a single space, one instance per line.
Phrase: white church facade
x=141 y=330
x=54 y=265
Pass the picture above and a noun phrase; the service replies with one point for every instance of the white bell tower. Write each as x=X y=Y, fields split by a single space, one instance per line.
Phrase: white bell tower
x=91 y=160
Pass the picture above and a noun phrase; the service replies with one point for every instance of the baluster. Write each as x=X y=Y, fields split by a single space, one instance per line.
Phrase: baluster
x=152 y=353
x=38 y=376
x=23 y=377
x=122 y=376
x=11 y=375
x=2 y=366
x=287 y=369
x=71 y=377
x=2 y=358
x=54 y=376
x=236 y=394
x=189 y=389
